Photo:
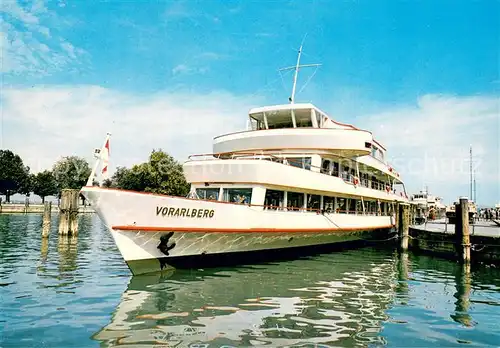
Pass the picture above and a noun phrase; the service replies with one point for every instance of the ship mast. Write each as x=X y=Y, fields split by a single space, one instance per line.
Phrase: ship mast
x=296 y=68
x=292 y=98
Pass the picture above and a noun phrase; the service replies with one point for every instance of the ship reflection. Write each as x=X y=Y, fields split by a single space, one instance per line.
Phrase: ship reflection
x=325 y=300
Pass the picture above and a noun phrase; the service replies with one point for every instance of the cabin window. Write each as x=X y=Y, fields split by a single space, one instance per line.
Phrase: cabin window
x=374 y=151
x=313 y=202
x=345 y=173
x=319 y=116
x=208 y=193
x=274 y=199
x=237 y=195
x=295 y=200
x=380 y=155
x=335 y=171
x=342 y=205
x=359 y=207
x=300 y=162
x=325 y=166
x=352 y=206
x=364 y=180
x=328 y=204
x=303 y=121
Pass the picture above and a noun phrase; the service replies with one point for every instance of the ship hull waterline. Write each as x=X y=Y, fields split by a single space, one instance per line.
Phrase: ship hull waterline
x=156 y=232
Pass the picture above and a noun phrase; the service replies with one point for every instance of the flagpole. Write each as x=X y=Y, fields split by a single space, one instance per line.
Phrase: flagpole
x=90 y=180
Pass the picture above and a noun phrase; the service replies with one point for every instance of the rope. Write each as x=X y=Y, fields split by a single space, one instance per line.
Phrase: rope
x=330 y=220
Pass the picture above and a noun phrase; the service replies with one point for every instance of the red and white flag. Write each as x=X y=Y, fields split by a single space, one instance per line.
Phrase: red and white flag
x=105 y=160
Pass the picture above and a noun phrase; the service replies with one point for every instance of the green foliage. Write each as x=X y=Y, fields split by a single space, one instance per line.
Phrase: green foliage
x=71 y=172
x=107 y=183
x=161 y=174
x=44 y=184
x=14 y=175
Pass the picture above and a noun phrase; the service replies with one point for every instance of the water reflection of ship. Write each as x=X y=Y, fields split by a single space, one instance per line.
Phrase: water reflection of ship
x=329 y=298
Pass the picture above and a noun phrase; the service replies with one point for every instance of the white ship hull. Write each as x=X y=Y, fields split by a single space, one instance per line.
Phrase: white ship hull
x=156 y=232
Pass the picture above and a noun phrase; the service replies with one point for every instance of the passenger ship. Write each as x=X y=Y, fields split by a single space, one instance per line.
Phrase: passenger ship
x=294 y=178
x=428 y=206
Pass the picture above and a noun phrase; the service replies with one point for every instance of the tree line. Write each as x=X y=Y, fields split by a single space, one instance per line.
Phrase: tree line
x=160 y=174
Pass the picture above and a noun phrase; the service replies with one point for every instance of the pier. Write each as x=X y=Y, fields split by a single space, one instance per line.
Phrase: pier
x=467 y=243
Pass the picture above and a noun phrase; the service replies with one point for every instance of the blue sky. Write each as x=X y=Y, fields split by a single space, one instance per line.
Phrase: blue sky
x=384 y=63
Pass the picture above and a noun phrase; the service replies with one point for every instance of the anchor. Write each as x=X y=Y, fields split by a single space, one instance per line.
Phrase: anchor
x=163 y=246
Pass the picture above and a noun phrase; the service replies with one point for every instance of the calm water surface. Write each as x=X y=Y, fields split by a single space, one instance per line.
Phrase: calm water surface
x=78 y=292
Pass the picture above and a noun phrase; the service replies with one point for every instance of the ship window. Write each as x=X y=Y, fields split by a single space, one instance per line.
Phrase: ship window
x=208 y=193
x=237 y=195
x=335 y=171
x=295 y=200
x=300 y=162
x=313 y=201
x=383 y=207
x=303 y=119
x=342 y=205
x=381 y=155
x=359 y=207
x=319 y=116
x=274 y=199
x=345 y=173
x=328 y=204
x=374 y=151
x=352 y=206
x=325 y=167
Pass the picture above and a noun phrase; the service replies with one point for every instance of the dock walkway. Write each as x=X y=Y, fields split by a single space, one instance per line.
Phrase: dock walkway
x=479 y=228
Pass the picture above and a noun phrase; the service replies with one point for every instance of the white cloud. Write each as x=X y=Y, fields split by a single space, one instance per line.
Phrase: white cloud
x=27 y=43
x=186 y=69
x=429 y=143
x=61 y=121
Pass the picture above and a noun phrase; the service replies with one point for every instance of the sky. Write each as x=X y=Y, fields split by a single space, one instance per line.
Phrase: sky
x=423 y=76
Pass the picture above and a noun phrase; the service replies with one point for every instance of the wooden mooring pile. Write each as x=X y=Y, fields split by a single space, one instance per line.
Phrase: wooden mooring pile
x=460 y=245
x=68 y=214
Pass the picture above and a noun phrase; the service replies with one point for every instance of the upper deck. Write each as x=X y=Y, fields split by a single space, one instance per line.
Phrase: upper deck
x=298 y=127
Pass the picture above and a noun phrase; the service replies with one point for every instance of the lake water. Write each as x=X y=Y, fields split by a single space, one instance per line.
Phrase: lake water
x=78 y=292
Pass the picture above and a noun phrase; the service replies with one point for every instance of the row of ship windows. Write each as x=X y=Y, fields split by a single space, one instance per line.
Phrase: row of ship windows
x=233 y=195
x=349 y=174
x=297 y=201
x=294 y=201
x=333 y=168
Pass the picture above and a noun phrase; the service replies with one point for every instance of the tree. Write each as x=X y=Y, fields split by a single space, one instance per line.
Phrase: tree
x=107 y=183
x=14 y=175
x=71 y=172
x=44 y=184
x=161 y=174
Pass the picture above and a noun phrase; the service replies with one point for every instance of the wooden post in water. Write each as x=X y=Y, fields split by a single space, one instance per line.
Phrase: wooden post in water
x=404 y=226
x=462 y=230
x=68 y=222
x=47 y=211
x=396 y=215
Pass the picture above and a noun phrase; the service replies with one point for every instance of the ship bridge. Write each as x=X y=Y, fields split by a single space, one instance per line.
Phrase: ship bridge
x=295 y=127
